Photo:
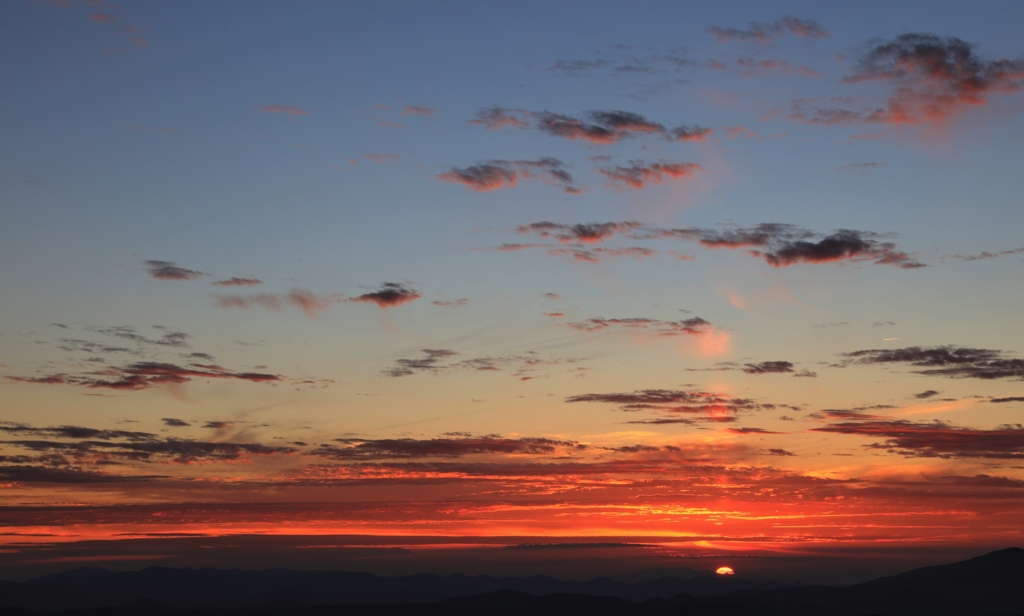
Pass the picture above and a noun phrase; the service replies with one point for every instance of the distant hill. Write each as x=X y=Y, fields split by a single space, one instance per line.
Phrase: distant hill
x=990 y=585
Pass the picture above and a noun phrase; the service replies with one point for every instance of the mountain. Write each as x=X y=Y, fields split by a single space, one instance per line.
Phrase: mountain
x=990 y=585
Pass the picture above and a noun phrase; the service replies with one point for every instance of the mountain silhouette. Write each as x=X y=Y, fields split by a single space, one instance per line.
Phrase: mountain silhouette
x=989 y=585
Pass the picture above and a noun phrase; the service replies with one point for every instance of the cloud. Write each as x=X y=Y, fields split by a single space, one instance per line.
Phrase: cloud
x=168 y=270
x=926 y=394
x=406 y=448
x=934 y=77
x=705 y=406
x=768 y=367
x=304 y=300
x=103 y=18
x=143 y=375
x=462 y=301
x=237 y=282
x=766 y=33
x=438 y=361
x=1012 y=399
x=946 y=361
x=389 y=294
x=937 y=440
x=596 y=255
x=286 y=109
x=418 y=110
x=552 y=296
x=732 y=132
x=780 y=452
x=779 y=245
x=694 y=326
x=495 y=174
x=989 y=255
x=175 y=423
x=595 y=127
x=751 y=431
x=639 y=174
x=430 y=362
x=590 y=233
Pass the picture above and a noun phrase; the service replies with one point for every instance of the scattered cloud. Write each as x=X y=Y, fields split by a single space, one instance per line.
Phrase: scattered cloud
x=169 y=270
x=146 y=374
x=989 y=255
x=639 y=174
x=595 y=127
x=780 y=452
x=597 y=255
x=306 y=301
x=406 y=448
x=462 y=301
x=766 y=33
x=947 y=361
x=590 y=233
x=768 y=367
x=389 y=294
x=175 y=423
x=695 y=406
x=750 y=66
x=1011 y=399
x=926 y=394
x=692 y=327
x=937 y=440
x=237 y=282
x=495 y=174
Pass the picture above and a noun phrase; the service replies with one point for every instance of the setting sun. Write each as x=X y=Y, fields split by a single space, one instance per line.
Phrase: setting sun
x=724 y=571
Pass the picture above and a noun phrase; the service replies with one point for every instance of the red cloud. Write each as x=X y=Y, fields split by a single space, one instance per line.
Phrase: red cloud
x=306 y=301
x=638 y=175
x=496 y=174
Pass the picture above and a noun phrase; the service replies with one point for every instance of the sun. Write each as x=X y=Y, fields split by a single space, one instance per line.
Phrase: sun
x=725 y=571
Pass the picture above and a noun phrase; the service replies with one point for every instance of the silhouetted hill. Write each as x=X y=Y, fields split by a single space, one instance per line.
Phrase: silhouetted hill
x=282 y=588
x=990 y=585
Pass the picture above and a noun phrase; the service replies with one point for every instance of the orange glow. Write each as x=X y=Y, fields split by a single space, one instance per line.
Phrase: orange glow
x=724 y=571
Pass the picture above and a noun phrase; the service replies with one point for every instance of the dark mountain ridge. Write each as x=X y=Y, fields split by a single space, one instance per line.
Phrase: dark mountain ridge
x=989 y=585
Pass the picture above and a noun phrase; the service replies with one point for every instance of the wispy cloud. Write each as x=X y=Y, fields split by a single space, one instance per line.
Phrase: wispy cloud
x=290 y=110
x=595 y=127
x=389 y=294
x=768 y=32
x=306 y=301
x=640 y=174
x=495 y=174
x=169 y=270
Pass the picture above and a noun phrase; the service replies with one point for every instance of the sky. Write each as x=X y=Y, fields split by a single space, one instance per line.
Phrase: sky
x=394 y=286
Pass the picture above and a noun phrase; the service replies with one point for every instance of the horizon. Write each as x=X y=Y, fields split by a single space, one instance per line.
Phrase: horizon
x=402 y=287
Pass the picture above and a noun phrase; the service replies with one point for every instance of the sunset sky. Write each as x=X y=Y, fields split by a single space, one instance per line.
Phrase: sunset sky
x=356 y=284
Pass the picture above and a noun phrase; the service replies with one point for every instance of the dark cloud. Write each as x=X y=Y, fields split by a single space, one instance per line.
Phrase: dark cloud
x=389 y=294
x=168 y=339
x=947 y=361
x=462 y=301
x=359 y=449
x=168 y=270
x=237 y=282
x=1011 y=399
x=494 y=174
x=780 y=452
x=704 y=406
x=692 y=326
x=778 y=244
x=768 y=367
x=429 y=362
x=937 y=440
x=752 y=431
x=640 y=174
x=143 y=375
x=304 y=300
x=589 y=233
x=42 y=474
x=926 y=394
x=932 y=79
x=596 y=127
x=439 y=361
x=175 y=423
x=75 y=432
x=766 y=33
